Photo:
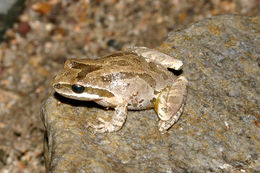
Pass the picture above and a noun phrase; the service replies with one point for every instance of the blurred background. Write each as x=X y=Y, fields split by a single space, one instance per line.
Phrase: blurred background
x=37 y=36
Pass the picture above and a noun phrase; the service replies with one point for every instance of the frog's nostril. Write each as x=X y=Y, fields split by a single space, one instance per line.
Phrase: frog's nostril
x=57 y=86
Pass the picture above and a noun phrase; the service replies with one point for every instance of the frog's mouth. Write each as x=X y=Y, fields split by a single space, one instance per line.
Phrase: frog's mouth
x=82 y=96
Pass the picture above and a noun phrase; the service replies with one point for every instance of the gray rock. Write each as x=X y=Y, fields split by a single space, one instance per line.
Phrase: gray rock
x=218 y=131
x=9 y=9
x=5 y=5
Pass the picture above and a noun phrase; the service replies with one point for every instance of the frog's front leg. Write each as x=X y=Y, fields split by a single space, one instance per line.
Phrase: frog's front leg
x=169 y=105
x=116 y=123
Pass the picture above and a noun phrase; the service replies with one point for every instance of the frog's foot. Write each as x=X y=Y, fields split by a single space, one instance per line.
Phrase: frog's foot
x=115 y=124
x=152 y=55
x=169 y=105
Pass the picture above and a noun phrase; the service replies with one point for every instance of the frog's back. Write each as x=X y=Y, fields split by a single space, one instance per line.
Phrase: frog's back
x=128 y=65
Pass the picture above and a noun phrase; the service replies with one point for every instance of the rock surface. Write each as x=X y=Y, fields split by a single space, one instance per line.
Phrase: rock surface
x=5 y=5
x=218 y=131
x=9 y=9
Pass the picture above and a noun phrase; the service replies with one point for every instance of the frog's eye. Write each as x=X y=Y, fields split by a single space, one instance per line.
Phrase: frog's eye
x=77 y=88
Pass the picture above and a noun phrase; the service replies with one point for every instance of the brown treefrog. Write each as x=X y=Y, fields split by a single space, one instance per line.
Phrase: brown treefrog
x=135 y=79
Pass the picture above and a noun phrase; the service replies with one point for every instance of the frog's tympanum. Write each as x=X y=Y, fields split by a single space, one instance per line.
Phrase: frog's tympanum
x=135 y=79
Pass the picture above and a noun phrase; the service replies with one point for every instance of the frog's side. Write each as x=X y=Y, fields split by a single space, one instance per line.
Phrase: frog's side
x=136 y=79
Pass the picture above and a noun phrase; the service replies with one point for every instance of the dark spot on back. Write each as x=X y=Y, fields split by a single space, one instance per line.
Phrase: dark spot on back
x=152 y=101
x=141 y=101
x=119 y=63
x=156 y=92
x=85 y=69
x=83 y=73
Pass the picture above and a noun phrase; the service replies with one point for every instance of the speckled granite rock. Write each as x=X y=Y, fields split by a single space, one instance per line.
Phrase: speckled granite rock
x=218 y=131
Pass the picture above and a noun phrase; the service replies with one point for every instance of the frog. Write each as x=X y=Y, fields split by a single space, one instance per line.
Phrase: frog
x=137 y=78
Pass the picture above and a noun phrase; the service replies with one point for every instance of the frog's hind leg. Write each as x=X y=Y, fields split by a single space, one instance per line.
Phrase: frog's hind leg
x=116 y=123
x=152 y=55
x=169 y=105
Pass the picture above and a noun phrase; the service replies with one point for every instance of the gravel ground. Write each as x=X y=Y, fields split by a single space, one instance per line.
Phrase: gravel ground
x=48 y=32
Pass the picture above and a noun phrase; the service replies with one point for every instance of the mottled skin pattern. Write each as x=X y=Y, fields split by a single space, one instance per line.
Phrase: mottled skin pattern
x=136 y=79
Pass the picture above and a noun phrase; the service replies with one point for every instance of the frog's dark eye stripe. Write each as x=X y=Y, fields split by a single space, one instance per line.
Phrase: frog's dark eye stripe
x=77 y=88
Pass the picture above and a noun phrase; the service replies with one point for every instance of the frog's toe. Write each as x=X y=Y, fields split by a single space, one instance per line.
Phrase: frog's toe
x=101 y=130
x=165 y=125
x=103 y=123
x=104 y=126
x=101 y=127
x=97 y=126
x=116 y=123
x=107 y=127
